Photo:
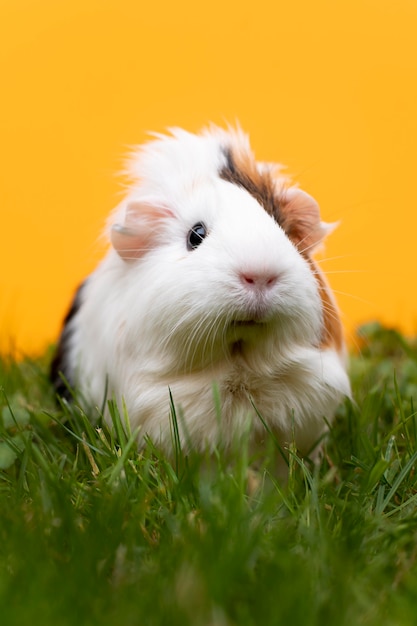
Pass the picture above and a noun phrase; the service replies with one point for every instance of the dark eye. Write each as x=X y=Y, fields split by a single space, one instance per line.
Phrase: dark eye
x=196 y=235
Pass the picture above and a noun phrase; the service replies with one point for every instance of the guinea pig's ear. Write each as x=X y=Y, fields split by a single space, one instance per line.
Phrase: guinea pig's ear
x=301 y=220
x=139 y=232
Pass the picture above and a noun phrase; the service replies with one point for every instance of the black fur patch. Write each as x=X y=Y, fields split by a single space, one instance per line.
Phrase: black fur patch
x=60 y=364
x=259 y=185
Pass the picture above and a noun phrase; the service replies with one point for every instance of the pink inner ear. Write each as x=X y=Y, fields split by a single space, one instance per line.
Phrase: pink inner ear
x=302 y=220
x=139 y=233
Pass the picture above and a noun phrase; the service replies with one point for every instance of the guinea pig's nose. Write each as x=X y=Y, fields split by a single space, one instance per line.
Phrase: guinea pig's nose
x=258 y=280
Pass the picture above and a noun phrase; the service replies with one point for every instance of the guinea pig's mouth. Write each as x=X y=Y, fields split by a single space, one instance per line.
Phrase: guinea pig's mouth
x=254 y=316
x=250 y=323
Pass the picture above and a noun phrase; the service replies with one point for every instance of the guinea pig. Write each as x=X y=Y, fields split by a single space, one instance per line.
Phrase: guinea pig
x=209 y=295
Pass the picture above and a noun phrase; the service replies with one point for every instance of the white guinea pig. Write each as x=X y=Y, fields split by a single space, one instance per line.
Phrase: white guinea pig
x=209 y=284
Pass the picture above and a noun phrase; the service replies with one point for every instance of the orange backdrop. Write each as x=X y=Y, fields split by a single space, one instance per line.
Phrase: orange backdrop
x=327 y=87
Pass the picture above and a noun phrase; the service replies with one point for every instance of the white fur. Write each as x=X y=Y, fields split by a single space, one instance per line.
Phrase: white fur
x=173 y=318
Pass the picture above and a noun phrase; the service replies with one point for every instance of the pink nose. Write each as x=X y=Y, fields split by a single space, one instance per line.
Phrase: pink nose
x=258 y=280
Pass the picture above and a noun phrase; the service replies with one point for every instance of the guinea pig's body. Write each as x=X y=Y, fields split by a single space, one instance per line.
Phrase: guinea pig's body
x=209 y=285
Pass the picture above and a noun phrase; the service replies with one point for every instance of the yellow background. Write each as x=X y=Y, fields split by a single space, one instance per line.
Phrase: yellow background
x=328 y=87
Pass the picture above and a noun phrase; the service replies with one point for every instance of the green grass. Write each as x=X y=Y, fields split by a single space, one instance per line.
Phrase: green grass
x=92 y=532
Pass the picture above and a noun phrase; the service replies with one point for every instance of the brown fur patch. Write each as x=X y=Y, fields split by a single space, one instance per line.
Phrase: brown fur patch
x=241 y=170
x=300 y=222
x=332 y=334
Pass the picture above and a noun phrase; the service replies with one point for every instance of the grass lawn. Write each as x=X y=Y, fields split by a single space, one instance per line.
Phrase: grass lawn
x=92 y=532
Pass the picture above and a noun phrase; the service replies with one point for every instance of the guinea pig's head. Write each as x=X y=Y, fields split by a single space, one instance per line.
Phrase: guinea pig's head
x=214 y=251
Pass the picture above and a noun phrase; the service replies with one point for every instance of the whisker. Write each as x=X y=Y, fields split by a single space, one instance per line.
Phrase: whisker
x=190 y=346
x=213 y=334
x=341 y=272
x=332 y=313
x=355 y=297
x=335 y=258
x=307 y=248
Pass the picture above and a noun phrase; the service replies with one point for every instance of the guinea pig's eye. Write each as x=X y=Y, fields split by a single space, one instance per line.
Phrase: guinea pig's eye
x=196 y=235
